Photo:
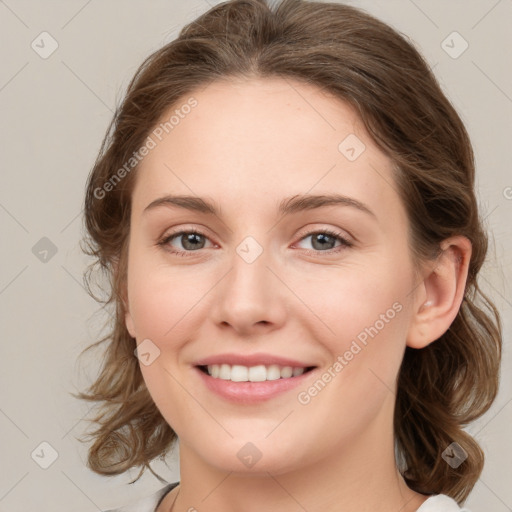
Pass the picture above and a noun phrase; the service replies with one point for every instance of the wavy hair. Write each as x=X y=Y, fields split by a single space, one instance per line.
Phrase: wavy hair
x=365 y=62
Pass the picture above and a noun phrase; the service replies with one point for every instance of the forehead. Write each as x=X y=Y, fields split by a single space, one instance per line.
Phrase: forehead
x=252 y=142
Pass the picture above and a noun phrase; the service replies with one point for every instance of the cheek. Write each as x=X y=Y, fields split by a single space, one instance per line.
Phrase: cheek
x=160 y=298
x=366 y=310
x=359 y=299
x=153 y=310
x=161 y=306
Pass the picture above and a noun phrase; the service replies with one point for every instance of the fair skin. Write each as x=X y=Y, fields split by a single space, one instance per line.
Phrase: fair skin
x=248 y=145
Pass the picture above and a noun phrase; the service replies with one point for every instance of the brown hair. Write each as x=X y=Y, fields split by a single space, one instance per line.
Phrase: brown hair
x=363 y=61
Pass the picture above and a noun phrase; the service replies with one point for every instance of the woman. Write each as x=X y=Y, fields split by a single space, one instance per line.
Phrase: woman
x=285 y=206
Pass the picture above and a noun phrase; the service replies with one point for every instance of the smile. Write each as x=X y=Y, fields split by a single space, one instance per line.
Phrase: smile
x=259 y=373
x=251 y=379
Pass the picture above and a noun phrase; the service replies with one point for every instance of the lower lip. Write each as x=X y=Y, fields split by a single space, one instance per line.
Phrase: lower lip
x=251 y=392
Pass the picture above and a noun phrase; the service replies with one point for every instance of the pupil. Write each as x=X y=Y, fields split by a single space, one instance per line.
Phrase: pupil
x=322 y=238
x=190 y=239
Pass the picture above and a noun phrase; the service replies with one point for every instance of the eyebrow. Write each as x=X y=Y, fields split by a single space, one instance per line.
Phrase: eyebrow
x=287 y=206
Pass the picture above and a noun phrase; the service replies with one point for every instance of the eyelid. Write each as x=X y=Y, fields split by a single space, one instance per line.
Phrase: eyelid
x=334 y=231
x=182 y=229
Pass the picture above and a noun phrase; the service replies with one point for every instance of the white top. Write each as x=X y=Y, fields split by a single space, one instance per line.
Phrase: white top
x=437 y=503
x=440 y=503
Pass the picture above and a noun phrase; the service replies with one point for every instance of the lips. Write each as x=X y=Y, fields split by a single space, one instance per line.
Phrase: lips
x=251 y=378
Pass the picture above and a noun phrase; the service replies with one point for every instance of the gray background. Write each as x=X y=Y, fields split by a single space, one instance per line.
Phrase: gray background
x=54 y=115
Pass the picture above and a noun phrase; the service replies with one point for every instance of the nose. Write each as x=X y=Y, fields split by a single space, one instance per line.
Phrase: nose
x=251 y=298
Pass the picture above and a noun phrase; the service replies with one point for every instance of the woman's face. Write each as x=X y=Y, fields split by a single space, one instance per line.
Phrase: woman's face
x=262 y=287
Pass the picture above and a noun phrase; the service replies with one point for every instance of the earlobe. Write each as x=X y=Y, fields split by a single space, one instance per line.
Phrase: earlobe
x=441 y=293
x=124 y=298
x=129 y=324
x=128 y=320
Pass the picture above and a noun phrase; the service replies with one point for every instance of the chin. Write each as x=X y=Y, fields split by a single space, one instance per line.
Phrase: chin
x=259 y=457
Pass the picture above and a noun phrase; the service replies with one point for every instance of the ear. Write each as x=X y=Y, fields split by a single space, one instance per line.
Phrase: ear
x=124 y=297
x=129 y=323
x=439 y=296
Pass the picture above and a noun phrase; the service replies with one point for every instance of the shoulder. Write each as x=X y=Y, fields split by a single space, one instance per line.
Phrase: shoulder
x=441 y=503
x=148 y=503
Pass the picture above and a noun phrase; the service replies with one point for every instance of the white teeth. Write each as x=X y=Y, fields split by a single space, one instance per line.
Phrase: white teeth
x=214 y=370
x=225 y=372
x=239 y=373
x=257 y=373
x=273 y=372
x=286 y=372
x=260 y=373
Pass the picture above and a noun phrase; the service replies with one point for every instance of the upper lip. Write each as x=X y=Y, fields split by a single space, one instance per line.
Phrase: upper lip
x=251 y=360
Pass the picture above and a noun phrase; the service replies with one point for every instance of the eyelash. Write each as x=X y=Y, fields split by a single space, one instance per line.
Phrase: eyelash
x=344 y=242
